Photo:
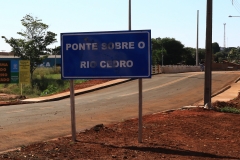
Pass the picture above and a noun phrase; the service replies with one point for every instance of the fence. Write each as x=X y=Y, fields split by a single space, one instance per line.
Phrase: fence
x=183 y=68
x=174 y=69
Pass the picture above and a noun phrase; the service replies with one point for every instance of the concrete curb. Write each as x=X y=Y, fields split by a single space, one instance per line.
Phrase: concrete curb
x=221 y=91
x=76 y=93
x=225 y=88
x=218 y=92
x=236 y=81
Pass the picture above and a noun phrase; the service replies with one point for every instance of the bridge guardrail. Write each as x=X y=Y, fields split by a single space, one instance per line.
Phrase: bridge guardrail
x=157 y=69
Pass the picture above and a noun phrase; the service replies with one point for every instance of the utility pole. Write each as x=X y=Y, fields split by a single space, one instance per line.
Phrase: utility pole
x=208 y=56
x=197 y=39
x=162 y=54
x=129 y=15
x=224 y=40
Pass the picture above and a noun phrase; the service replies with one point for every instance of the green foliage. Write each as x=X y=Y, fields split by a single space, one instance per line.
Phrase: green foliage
x=48 y=83
x=158 y=51
x=201 y=53
x=30 y=91
x=230 y=110
x=50 y=90
x=220 y=56
x=57 y=50
x=34 y=42
x=156 y=57
x=45 y=82
x=188 y=57
x=226 y=50
x=234 y=55
x=215 y=47
x=16 y=89
x=169 y=49
x=56 y=70
x=49 y=73
x=174 y=51
x=48 y=80
x=54 y=76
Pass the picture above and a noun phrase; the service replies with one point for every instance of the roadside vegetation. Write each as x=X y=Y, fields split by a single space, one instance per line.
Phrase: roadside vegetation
x=228 y=109
x=46 y=81
x=233 y=106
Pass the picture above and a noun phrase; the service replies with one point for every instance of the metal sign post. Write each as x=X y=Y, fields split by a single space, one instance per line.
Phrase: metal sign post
x=73 y=119
x=140 y=111
x=139 y=87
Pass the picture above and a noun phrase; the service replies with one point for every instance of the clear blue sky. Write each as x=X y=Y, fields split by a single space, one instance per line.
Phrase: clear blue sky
x=166 y=18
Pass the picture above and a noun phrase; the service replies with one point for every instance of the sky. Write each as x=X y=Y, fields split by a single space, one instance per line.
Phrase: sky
x=165 y=18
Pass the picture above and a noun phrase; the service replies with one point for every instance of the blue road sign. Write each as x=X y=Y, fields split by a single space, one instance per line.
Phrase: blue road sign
x=14 y=65
x=118 y=54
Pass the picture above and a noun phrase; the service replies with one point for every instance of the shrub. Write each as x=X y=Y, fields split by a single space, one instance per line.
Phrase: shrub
x=230 y=110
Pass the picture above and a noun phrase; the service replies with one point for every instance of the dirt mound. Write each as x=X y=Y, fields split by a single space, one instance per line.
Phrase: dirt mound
x=183 y=134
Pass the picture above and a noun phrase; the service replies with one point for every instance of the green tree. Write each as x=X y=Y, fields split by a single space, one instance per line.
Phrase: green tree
x=158 y=51
x=174 y=50
x=215 y=47
x=234 y=55
x=34 y=42
x=201 y=54
x=219 y=57
x=56 y=50
x=188 y=57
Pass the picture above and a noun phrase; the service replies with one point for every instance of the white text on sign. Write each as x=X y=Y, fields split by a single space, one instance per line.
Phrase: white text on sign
x=107 y=64
x=104 y=46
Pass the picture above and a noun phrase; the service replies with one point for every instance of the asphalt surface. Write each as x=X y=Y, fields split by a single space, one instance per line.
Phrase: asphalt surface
x=226 y=94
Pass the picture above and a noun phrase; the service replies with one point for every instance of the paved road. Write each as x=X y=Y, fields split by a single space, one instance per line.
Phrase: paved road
x=23 y=124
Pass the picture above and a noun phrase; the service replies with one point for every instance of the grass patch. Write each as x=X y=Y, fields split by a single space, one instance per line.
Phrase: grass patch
x=46 y=81
x=51 y=86
x=47 y=71
x=48 y=76
x=230 y=110
x=26 y=89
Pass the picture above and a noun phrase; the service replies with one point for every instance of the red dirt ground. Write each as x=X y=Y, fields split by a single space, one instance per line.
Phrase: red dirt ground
x=182 y=134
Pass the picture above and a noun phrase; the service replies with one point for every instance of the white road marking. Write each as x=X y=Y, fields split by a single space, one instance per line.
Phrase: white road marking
x=16 y=111
x=46 y=107
x=160 y=85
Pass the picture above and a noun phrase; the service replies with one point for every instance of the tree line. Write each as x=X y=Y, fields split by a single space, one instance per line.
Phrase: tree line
x=169 y=51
